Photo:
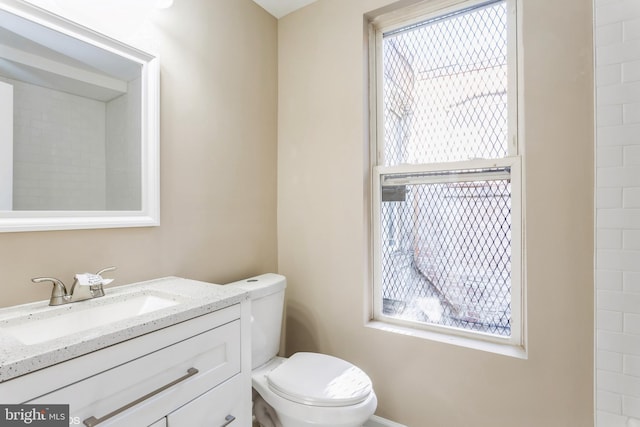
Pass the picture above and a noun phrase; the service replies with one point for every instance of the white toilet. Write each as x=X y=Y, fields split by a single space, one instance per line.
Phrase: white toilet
x=307 y=389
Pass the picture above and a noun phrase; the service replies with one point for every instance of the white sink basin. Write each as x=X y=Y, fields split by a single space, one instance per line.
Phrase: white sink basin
x=83 y=316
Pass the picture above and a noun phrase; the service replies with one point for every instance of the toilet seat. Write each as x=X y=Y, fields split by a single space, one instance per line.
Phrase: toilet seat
x=319 y=380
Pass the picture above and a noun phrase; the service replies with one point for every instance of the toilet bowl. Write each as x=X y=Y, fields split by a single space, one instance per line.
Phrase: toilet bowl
x=307 y=389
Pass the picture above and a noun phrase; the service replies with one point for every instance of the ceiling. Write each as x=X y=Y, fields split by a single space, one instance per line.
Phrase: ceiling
x=280 y=8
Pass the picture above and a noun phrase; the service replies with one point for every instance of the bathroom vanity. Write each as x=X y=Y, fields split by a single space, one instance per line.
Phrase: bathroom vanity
x=181 y=364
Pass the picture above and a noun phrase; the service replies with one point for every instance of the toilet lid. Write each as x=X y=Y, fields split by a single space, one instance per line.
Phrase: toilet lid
x=319 y=380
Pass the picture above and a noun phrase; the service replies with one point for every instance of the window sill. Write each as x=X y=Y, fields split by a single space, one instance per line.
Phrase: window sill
x=490 y=347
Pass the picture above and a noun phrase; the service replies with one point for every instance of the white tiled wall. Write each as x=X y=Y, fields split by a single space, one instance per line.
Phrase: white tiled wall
x=123 y=154
x=6 y=147
x=617 y=40
x=59 y=159
x=71 y=152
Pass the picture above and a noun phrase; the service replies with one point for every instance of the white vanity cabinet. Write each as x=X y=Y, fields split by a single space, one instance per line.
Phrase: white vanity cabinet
x=187 y=375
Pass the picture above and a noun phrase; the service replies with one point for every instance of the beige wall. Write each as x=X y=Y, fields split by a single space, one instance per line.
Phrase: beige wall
x=218 y=164
x=322 y=230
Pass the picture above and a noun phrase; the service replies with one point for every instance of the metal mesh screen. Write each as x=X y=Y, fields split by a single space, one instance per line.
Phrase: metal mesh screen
x=446 y=236
x=446 y=254
x=445 y=88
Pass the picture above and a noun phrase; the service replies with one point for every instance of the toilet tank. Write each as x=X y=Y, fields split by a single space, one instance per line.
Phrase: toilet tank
x=266 y=293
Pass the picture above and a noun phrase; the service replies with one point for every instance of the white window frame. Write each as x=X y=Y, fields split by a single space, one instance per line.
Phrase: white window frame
x=402 y=18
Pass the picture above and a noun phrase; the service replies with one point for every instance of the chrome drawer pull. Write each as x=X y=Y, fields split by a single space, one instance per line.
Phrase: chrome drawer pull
x=93 y=421
x=229 y=419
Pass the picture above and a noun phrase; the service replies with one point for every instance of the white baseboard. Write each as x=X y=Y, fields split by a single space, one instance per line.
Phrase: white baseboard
x=376 y=421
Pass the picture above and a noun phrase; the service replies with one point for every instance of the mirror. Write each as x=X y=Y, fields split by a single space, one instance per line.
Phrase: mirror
x=79 y=126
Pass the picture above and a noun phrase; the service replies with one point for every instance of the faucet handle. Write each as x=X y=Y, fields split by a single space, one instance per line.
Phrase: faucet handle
x=59 y=291
x=99 y=289
x=104 y=270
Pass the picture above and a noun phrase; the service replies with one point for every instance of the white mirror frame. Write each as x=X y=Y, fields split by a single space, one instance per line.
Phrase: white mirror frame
x=149 y=215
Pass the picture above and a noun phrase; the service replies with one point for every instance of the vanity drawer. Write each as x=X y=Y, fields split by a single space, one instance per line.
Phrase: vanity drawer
x=215 y=354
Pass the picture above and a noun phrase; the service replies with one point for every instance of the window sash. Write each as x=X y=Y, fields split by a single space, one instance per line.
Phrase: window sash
x=424 y=11
x=517 y=309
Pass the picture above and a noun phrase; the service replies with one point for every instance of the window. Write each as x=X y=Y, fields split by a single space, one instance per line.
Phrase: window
x=446 y=178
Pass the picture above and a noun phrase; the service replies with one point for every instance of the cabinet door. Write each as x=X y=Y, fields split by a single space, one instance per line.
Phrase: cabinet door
x=221 y=406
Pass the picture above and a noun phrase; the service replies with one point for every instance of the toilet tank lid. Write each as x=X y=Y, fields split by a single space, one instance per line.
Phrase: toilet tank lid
x=319 y=380
x=262 y=285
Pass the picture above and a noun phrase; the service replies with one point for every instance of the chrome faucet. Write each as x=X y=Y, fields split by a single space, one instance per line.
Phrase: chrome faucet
x=79 y=291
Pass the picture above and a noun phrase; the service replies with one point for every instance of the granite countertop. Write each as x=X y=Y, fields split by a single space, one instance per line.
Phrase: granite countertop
x=190 y=298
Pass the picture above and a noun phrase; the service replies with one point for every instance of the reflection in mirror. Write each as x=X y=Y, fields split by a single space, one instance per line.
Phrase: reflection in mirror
x=78 y=126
